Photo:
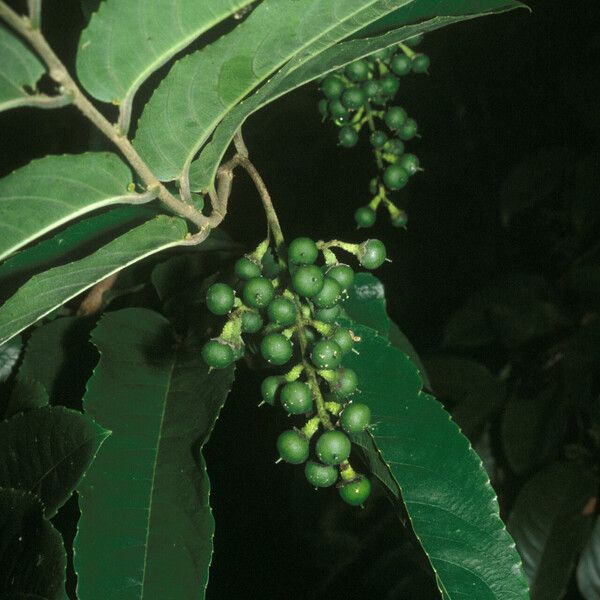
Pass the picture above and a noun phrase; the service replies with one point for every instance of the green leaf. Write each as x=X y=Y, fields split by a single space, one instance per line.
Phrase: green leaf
x=588 y=569
x=550 y=527
x=201 y=88
x=32 y=555
x=146 y=527
x=72 y=243
x=51 y=289
x=54 y=190
x=26 y=395
x=9 y=355
x=305 y=67
x=19 y=68
x=125 y=42
x=46 y=451
x=420 y=455
x=471 y=386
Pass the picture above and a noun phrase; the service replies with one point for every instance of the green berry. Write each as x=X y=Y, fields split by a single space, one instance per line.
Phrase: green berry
x=372 y=254
x=355 y=492
x=395 y=117
x=310 y=334
x=338 y=111
x=394 y=146
x=333 y=447
x=296 y=398
x=395 y=177
x=245 y=268
x=365 y=216
x=276 y=349
x=328 y=315
x=324 y=108
x=330 y=294
x=326 y=354
x=401 y=64
x=410 y=163
x=400 y=220
x=258 y=292
x=268 y=389
x=353 y=98
x=383 y=54
x=343 y=274
x=332 y=87
x=357 y=70
x=389 y=85
x=319 y=475
x=409 y=130
x=344 y=339
x=282 y=311
x=346 y=383
x=303 y=251
x=217 y=354
x=378 y=139
x=420 y=63
x=251 y=322
x=308 y=280
x=219 y=298
x=414 y=41
x=371 y=88
x=355 y=417
x=292 y=447
x=347 y=136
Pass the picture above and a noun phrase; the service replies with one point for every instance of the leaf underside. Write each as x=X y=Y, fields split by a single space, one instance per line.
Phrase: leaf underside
x=146 y=527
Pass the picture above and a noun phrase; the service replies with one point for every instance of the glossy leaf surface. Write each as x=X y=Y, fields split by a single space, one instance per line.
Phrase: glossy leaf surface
x=588 y=569
x=146 y=527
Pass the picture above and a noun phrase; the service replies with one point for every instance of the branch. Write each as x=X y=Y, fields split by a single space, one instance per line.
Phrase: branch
x=35 y=13
x=58 y=72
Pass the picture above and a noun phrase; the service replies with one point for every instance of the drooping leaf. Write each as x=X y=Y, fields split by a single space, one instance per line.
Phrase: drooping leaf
x=146 y=527
x=201 y=88
x=588 y=568
x=550 y=526
x=474 y=391
x=51 y=289
x=399 y=340
x=125 y=42
x=9 y=355
x=46 y=451
x=429 y=468
x=309 y=65
x=54 y=190
x=32 y=555
x=26 y=394
x=19 y=69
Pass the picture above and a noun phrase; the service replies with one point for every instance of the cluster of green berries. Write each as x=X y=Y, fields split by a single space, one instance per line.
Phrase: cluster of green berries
x=294 y=317
x=360 y=95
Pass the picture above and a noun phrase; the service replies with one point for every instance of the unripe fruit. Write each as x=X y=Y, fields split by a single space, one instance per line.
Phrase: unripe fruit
x=257 y=292
x=330 y=294
x=414 y=41
x=219 y=298
x=345 y=384
x=319 y=475
x=332 y=87
x=268 y=389
x=328 y=315
x=420 y=63
x=245 y=268
x=410 y=163
x=355 y=492
x=394 y=146
x=302 y=251
x=389 y=85
x=282 y=311
x=276 y=349
x=355 y=417
x=383 y=54
x=395 y=117
x=217 y=355
x=292 y=447
x=395 y=177
x=308 y=280
x=371 y=88
x=401 y=64
x=347 y=136
x=353 y=98
x=296 y=398
x=343 y=274
x=408 y=130
x=400 y=220
x=357 y=70
x=338 y=111
x=343 y=338
x=378 y=139
x=251 y=322
x=333 y=447
x=371 y=254
x=326 y=354
x=365 y=216
x=324 y=107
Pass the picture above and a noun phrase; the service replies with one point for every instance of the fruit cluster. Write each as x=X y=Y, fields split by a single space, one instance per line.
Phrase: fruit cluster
x=295 y=315
x=360 y=95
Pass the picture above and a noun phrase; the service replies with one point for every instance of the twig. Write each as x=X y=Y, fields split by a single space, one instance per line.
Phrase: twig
x=35 y=13
x=93 y=301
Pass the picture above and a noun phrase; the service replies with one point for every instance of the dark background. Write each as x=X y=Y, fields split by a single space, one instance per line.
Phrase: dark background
x=499 y=89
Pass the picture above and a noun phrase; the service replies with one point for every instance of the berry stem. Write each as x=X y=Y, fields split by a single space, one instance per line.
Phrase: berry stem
x=372 y=129
x=407 y=50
